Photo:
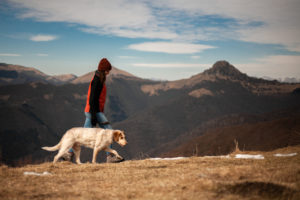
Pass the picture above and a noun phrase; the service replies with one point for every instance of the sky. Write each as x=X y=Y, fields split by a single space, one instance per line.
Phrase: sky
x=155 y=39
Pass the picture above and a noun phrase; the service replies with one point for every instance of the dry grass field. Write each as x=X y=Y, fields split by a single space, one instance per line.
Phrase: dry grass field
x=188 y=178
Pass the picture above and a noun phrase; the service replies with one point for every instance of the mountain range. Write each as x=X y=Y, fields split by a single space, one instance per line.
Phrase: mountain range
x=200 y=115
x=16 y=74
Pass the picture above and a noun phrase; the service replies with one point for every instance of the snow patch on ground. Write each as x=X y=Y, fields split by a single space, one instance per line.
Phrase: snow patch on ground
x=247 y=156
x=37 y=174
x=227 y=156
x=176 y=158
x=239 y=156
x=285 y=155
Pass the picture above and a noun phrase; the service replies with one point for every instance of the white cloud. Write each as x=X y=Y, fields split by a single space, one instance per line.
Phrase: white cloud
x=128 y=57
x=195 y=57
x=125 y=18
x=170 y=47
x=93 y=13
x=171 y=65
x=42 y=38
x=288 y=37
x=9 y=54
x=130 y=33
x=41 y=54
x=277 y=21
x=280 y=66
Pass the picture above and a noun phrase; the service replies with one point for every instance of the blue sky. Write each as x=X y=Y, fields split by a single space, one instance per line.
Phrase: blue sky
x=158 y=39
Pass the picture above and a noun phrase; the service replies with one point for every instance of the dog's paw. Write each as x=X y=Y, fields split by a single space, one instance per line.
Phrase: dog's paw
x=114 y=159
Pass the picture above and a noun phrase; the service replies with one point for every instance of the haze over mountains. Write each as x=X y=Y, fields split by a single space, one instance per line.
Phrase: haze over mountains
x=159 y=117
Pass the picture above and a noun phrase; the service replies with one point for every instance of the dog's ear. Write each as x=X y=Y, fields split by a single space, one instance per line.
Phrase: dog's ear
x=116 y=135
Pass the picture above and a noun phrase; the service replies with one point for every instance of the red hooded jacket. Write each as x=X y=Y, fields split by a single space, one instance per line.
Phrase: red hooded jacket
x=96 y=96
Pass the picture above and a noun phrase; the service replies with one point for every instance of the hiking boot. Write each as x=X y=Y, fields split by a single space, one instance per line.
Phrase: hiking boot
x=68 y=156
x=113 y=159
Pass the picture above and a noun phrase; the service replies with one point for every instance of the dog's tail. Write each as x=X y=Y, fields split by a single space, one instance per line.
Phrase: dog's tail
x=54 y=148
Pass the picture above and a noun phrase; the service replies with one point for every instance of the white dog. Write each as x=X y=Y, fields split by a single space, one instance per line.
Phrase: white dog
x=95 y=138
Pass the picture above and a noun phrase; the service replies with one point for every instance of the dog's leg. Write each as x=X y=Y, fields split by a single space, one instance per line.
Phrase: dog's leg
x=59 y=154
x=56 y=158
x=77 y=149
x=66 y=145
x=95 y=153
x=107 y=149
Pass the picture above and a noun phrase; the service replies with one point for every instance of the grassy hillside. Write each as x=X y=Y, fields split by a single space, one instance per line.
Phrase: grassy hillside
x=188 y=178
x=257 y=136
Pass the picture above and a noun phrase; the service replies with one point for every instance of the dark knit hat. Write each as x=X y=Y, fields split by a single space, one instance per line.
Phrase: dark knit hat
x=104 y=65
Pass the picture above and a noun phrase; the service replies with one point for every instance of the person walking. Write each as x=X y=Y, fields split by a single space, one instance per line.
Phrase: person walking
x=94 y=109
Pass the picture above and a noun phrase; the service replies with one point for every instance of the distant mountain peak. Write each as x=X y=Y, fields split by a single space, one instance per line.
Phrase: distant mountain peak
x=224 y=68
x=115 y=72
x=16 y=74
x=64 y=77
